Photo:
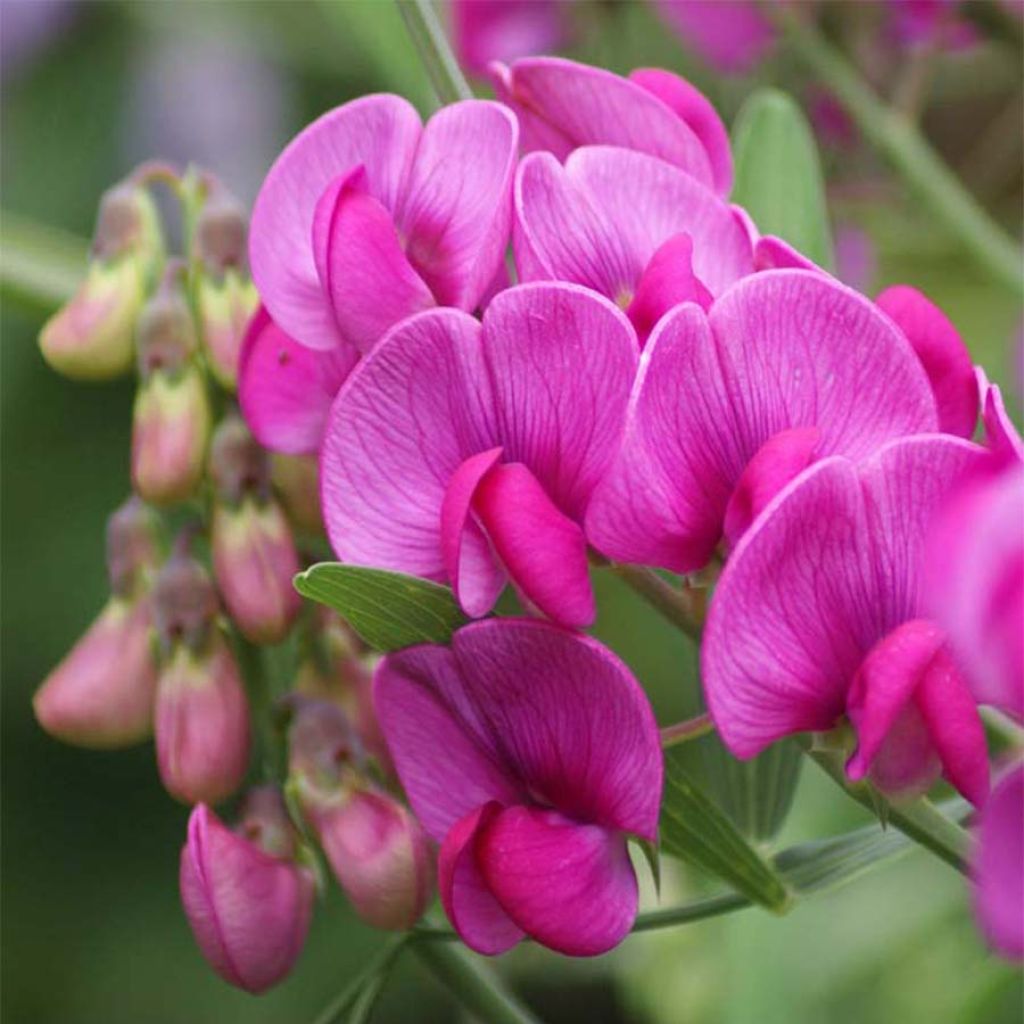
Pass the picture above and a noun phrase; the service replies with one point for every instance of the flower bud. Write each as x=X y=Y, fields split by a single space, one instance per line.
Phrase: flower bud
x=91 y=337
x=296 y=478
x=202 y=715
x=134 y=547
x=254 y=555
x=171 y=418
x=247 y=901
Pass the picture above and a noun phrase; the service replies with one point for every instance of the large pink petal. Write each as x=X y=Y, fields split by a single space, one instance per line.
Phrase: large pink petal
x=456 y=211
x=568 y=719
x=792 y=613
x=471 y=907
x=998 y=867
x=378 y=132
x=445 y=768
x=563 y=105
x=561 y=362
x=569 y=886
x=943 y=355
x=542 y=549
x=365 y=273
x=402 y=424
x=286 y=389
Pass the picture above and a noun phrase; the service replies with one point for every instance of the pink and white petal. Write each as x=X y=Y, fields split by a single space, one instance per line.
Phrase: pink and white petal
x=774 y=253
x=568 y=718
x=380 y=133
x=401 y=425
x=693 y=107
x=471 y=907
x=943 y=355
x=668 y=280
x=569 y=886
x=884 y=686
x=648 y=202
x=456 y=211
x=367 y=277
x=476 y=577
x=542 y=549
x=564 y=105
x=286 y=389
x=955 y=727
x=561 y=362
x=792 y=613
x=998 y=866
x=560 y=235
x=444 y=768
x=1001 y=436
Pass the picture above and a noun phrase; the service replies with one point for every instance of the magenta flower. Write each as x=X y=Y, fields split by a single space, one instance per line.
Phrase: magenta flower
x=820 y=613
x=733 y=36
x=562 y=105
x=489 y=30
x=998 y=866
x=1001 y=436
x=368 y=216
x=785 y=368
x=466 y=453
x=286 y=389
x=642 y=232
x=248 y=902
x=529 y=753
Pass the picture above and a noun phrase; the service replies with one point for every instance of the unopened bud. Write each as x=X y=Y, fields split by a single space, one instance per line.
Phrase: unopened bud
x=296 y=479
x=324 y=749
x=134 y=547
x=239 y=467
x=185 y=606
x=247 y=901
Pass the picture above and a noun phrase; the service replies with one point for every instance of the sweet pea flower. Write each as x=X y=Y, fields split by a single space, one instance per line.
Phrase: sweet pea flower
x=489 y=30
x=642 y=232
x=785 y=368
x=530 y=753
x=820 y=613
x=369 y=216
x=997 y=867
x=733 y=36
x=562 y=105
x=466 y=452
x=1001 y=436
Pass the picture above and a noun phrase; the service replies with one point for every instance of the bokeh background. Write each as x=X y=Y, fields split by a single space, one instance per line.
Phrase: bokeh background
x=92 y=932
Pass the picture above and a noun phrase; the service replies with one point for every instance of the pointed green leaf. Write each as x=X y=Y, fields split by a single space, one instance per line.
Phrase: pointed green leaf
x=694 y=829
x=387 y=609
x=778 y=174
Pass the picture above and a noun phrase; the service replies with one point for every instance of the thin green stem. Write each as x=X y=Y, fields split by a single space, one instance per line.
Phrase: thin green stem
x=698 y=910
x=254 y=670
x=471 y=983
x=683 y=607
x=683 y=732
x=904 y=146
x=376 y=970
x=435 y=52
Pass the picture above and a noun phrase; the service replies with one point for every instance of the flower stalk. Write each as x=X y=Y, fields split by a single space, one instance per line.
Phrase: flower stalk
x=431 y=44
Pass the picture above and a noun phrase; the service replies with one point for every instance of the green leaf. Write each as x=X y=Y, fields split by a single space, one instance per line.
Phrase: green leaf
x=652 y=854
x=778 y=174
x=387 y=609
x=694 y=829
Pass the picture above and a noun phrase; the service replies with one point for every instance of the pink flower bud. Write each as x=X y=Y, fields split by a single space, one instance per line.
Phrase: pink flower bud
x=101 y=694
x=248 y=903
x=91 y=338
x=134 y=547
x=202 y=723
x=296 y=479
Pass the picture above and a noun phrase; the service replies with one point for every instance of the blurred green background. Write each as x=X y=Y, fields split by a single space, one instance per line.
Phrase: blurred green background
x=92 y=932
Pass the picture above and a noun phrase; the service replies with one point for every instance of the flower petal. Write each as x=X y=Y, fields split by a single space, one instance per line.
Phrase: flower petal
x=543 y=550
x=569 y=886
x=471 y=907
x=774 y=253
x=1001 y=435
x=286 y=389
x=668 y=280
x=457 y=208
x=942 y=353
x=380 y=133
x=402 y=424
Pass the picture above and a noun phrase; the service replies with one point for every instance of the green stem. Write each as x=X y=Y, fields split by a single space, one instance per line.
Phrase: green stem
x=903 y=145
x=698 y=910
x=921 y=820
x=254 y=671
x=376 y=969
x=683 y=607
x=683 y=732
x=40 y=267
x=436 y=54
x=468 y=980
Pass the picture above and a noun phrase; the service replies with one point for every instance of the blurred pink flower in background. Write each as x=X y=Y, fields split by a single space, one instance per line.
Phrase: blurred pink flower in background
x=733 y=36
x=504 y=30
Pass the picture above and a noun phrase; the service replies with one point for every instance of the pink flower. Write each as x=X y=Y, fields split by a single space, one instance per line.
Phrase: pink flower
x=562 y=105
x=1001 y=436
x=731 y=35
x=529 y=753
x=368 y=216
x=820 y=612
x=998 y=866
x=785 y=368
x=489 y=30
x=286 y=389
x=247 y=901
x=642 y=232
x=466 y=453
